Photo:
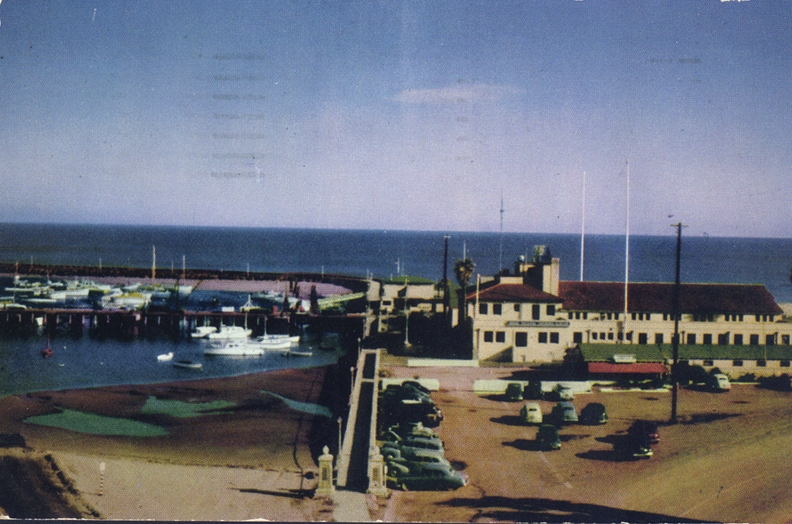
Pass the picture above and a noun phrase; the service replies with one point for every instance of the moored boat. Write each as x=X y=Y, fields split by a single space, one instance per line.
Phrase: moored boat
x=236 y=348
x=203 y=331
x=230 y=333
x=187 y=364
x=165 y=357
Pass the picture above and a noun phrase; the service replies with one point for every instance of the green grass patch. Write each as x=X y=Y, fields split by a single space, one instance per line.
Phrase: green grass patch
x=180 y=409
x=92 y=424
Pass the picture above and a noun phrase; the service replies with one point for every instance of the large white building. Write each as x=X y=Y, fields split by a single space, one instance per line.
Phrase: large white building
x=535 y=317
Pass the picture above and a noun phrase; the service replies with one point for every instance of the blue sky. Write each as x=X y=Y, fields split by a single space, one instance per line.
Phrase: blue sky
x=399 y=114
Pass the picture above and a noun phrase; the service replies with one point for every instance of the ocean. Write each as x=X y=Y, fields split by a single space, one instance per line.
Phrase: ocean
x=86 y=362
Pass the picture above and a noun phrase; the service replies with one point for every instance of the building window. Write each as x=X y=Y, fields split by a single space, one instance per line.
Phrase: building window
x=738 y=339
x=708 y=363
x=521 y=339
x=723 y=339
x=488 y=336
x=658 y=338
x=386 y=302
x=554 y=337
x=691 y=338
x=635 y=316
x=737 y=363
x=550 y=310
x=543 y=337
x=784 y=363
x=594 y=335
x=577 y=337
x=536 y=312
x=758 y=318
x=629 y=336
x=517 y=308
x=571 y=316
x=500 y=336
x=754 y=340
x=707 y=339
x=762 y=363
x=483 y=308
x=785 y=340
x=585 y=314
x=642 y=338
x=497 y=309
x=610 y=335
x=770 y=340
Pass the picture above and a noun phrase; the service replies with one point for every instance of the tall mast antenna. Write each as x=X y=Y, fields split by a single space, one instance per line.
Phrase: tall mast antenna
x=583 y=228
x=627 y=251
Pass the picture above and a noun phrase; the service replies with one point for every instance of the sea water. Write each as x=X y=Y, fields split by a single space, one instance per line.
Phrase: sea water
x=381 y=254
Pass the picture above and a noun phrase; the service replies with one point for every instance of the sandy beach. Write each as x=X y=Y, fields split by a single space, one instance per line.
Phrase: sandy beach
x=252 y=460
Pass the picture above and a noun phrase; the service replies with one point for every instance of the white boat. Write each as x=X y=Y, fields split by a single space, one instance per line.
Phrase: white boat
x=293 y=339
x=236 y=348
x=187 y=364
x=230 y=332
x=203 y=331
x=165 y=357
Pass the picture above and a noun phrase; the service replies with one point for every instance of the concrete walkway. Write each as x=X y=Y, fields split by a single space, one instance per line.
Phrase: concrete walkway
x=350 y=506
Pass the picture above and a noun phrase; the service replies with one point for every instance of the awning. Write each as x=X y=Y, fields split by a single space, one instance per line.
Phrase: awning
x=639 y=368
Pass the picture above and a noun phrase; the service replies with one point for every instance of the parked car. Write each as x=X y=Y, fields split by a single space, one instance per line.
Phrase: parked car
x=410 y=450
x=564 y=413
x=644 y=430
x=414 y=462
x=594 y=413
x=628 y=447
x=432 y=477
x=514 y=391
x=718 y=382
x=398 y=432
x=563 y=392
x=531 y=413
x=548 y=438
x=416 y=443
x=533 y=391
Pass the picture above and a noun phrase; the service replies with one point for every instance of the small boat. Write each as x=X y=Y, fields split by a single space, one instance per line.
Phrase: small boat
x=236 y=348
x=47 y=351
x=293 y=339
x=230 y=332
x=203 y=331
x=165 y=357
x=297 y=353
x=187 y=364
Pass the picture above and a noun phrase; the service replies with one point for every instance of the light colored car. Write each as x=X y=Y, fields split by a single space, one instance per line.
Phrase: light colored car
x=718 y=382
x=531 y=413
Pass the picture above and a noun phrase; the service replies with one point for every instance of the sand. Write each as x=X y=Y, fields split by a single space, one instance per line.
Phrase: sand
x=255 y=461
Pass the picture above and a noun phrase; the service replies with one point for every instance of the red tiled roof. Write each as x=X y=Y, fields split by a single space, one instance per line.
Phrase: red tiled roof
x=751 y=299
x=642 y=368
x=512 y=293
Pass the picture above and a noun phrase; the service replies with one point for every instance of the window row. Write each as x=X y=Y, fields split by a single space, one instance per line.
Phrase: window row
x=521 y=337
x=536 y=309
x=737 y=339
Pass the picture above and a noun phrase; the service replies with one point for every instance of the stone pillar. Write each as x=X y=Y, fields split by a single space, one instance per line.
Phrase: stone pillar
x=377 y=471
x=325 y=473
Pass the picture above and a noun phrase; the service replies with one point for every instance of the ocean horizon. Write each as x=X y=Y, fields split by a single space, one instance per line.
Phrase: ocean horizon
x=390 y=253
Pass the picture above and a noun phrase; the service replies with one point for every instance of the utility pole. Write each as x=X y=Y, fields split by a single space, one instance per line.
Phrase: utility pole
x=500 y=257
x=675 y=340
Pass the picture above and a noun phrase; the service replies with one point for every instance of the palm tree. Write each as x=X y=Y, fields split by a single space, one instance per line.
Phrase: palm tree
x=463 y=270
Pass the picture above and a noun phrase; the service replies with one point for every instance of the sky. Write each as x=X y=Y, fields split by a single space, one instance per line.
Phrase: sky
x=417 y=115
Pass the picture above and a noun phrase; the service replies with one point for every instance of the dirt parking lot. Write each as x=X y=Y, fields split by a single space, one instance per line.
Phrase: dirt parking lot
x=728 y=458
